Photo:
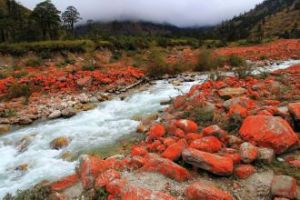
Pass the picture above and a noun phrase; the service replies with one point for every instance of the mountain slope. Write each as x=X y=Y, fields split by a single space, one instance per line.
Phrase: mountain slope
x=270 y=18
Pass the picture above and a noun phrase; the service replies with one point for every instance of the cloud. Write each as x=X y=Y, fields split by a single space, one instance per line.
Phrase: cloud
x=178 y=12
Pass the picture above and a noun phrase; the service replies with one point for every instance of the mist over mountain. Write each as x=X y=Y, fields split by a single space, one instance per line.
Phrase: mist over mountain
x=177 y=12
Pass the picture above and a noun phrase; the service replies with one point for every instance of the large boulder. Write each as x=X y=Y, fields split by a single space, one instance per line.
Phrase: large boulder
x=215 y=164
x=165 y=167
x=270 y=132
x=201 y=190
x=294 y=109
x=59 y=143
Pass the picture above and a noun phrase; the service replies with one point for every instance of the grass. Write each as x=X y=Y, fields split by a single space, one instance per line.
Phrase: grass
x=36 y=193
x=207 y=61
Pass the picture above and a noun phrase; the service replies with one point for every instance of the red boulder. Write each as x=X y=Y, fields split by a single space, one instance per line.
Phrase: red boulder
x=208 y=144
x=270 y=132
x=187 y=126
x=244 y=171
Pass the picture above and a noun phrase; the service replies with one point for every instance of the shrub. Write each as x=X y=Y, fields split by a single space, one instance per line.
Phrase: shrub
x=36 y=193
x=88 y=68
x=156 y=65
x=243 y=71
x=34 y=62
x=236 y=61
x=20 y=74
x=207 y=61
x=19 y=90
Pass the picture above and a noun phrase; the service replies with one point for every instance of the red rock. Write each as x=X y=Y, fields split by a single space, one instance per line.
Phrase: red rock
x=65 y=183
x=284 y=186
x=166 y=167
x=169 y=141
x=294 y=109
x=192 y=136
x=236 y=157
x=244 y=171
x=295 y=163
x=138 y=151
x=215 y=164
x=238 y=111
x=156 y=131
x=84 y=82
x=231 y=92
x=270 y=132
x=136 y=162
x=116 y=186
x=187 y=126
x=91 y=166
x=248 y=152
x=201 y=190
x=153 y=146
x=208 y=144
x=214 y=130
x=179 y=133
x=106 y=177
x=173 y=152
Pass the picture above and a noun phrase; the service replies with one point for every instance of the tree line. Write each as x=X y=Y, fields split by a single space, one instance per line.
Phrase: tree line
x=44 y=22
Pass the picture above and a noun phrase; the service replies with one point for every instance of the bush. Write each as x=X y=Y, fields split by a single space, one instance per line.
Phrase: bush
x=88 y=68
x=207 y=62
x=156 y=65
x=19 y=90
x=34 y=62
x=236 y=61
x=36 y=193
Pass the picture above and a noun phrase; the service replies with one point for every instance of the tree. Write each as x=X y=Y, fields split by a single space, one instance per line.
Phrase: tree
x=48 y=19
x=70 y=17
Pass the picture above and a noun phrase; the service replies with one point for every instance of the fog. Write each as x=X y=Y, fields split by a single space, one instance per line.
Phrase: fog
x=181 y=13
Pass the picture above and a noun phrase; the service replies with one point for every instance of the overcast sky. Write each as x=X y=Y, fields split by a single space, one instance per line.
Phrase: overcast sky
x=177 y=12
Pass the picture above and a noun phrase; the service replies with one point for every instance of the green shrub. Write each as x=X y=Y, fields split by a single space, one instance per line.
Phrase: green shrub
x=236 y=61
x=19 y=90
x=156 y=65
x=88 y=68
x=207 y=61
x=34 y=62
x=20 y=74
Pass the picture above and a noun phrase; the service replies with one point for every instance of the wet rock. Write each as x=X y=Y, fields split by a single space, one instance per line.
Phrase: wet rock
x=248 y=152
x=244 y=171
x=65 y=182
x=59 y=143
x=215 y=164
x=88 y=106
x=187 y=126
x=55 y=114
x=201 y=190
x=68 y=112
x=22 y=167
x=102 y=96
x=209 y=144
x=166 y=167
x=228 y=93
x=24 y=143
x=284 y=186
x=4 y=128
x=156 y=131
x=266 y=155
x=270 y=132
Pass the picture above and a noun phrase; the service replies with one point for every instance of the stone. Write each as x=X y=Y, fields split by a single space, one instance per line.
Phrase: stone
x=55 y=114
x=156 y=131
x=24 y=143
x=65 y=182
x=59 y=143
x=166 y=167
x=294 y=109
x=243 y=101
x=244 y=171
x=68 y=112
x=205 y=191
x=137 y=193
x=4 y=128
x=215 y=164
x=248 y=152
x=138 y=151
x=174 y=151
x=231 y=92
x=266 y=155
x=106 y=177
x=209 y=144
x=284 y=186
x=187 y=126
x=270 y=132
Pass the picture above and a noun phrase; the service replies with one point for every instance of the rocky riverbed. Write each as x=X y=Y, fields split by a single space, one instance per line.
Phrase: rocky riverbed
x=225 y=139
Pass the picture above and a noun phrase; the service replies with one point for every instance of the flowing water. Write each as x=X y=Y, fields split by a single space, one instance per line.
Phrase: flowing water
x=87 y=130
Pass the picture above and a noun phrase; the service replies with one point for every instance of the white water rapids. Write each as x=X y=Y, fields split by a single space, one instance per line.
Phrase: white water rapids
x=87 y=130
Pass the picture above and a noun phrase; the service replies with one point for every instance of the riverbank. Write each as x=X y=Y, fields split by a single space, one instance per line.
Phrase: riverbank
x=217 y=108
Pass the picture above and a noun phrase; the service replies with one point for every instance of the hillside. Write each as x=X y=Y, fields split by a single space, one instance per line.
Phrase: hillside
x=270 y=18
